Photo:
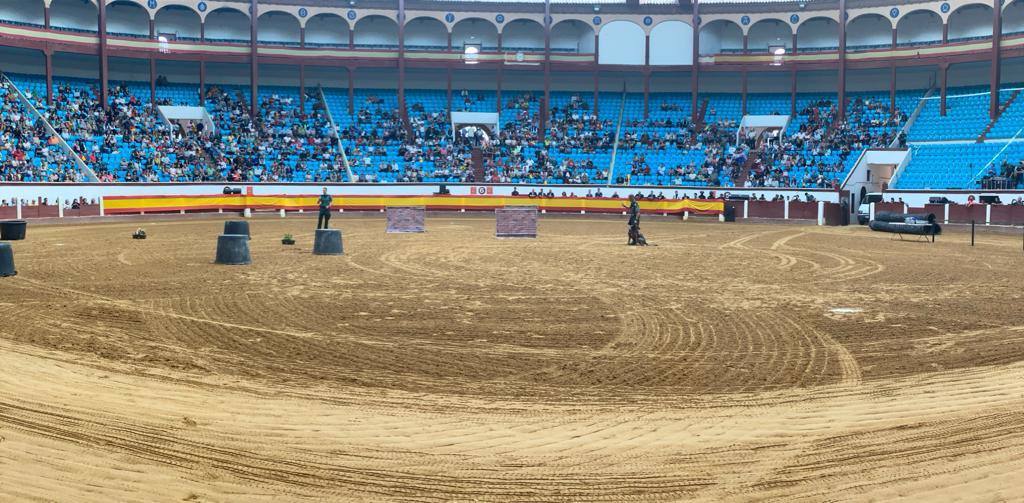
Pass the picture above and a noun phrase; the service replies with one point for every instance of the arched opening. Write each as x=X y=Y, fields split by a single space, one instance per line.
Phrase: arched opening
x=817 y=34
x=622 y=43
x=376 y=32
x=918 y=28
x=671 y=44
x=73 y=15
x=868 y=32
x=1013 y=18
x=522 y=35
x=970 y=22
x=23 y=12
x=475 y=31
x=426 y=33
x=127 y=18
x=227 y=25
x=279 y=28
x=572 y=36
x=182 y=22
x=327 y=30
x=769 y=33
x=720 y=36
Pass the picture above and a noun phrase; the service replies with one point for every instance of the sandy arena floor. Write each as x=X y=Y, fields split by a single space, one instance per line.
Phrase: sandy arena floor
x=454 y=366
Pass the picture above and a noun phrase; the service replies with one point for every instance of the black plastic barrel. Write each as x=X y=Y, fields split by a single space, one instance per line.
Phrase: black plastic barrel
x=237 y=227
x=13 y=230
x=328 y=242
x=233 y=249
x=729 y=215
x=6 y=260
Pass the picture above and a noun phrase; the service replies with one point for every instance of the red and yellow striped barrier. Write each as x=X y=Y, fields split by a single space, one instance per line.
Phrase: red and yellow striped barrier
x=159 y=204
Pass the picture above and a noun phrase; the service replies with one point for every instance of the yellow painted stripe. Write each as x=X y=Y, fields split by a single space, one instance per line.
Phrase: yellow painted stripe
x=172 y=203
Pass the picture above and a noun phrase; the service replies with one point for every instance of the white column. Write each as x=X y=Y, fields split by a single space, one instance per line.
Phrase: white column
x=821 y=212
x=103 y=211
x=945 y=215
x=686 y=215
x=746 y=208
x=785 y=209
x=60 y=209
x=988 y=214
x=871 y=211
x=19 y=208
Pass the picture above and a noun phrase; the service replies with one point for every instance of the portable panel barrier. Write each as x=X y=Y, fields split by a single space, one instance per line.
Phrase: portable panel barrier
x=516 y=222
x=406 y=219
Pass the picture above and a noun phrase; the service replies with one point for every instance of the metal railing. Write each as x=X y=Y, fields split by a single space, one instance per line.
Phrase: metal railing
x=337 y=134
x=618 y=132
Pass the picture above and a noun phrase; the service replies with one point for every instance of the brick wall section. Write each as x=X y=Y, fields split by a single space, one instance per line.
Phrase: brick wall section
x=516 y=222
x=406 y=219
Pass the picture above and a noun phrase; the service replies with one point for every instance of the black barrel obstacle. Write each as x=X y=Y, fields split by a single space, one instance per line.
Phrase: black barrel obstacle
x=905 y=218
x=13 y=230
x=6 y=260
x=233 y=249
x=328 y=242
x=237 y=227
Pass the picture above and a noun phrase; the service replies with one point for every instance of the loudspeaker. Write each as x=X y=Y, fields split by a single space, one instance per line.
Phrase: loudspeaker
x=991 y=199
x=938 y=200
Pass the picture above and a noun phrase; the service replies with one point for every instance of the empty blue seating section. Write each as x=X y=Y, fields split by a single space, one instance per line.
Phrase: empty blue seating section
x=1012 y=119
x=954 y=165
x=966 y=116
x=767 y=104
x=177 y=94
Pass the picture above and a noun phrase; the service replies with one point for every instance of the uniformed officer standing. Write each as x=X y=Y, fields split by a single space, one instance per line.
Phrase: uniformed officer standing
x=634 y=220
x=325 y=210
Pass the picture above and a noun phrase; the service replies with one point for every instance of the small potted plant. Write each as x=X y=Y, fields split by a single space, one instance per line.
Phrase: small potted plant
x=287 y=240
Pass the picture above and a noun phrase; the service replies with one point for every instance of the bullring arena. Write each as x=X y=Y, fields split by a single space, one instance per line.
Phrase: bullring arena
x=731 y=362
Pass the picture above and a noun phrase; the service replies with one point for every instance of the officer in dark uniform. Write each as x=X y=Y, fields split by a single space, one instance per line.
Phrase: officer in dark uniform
x=634 y=220
x=325 y=210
